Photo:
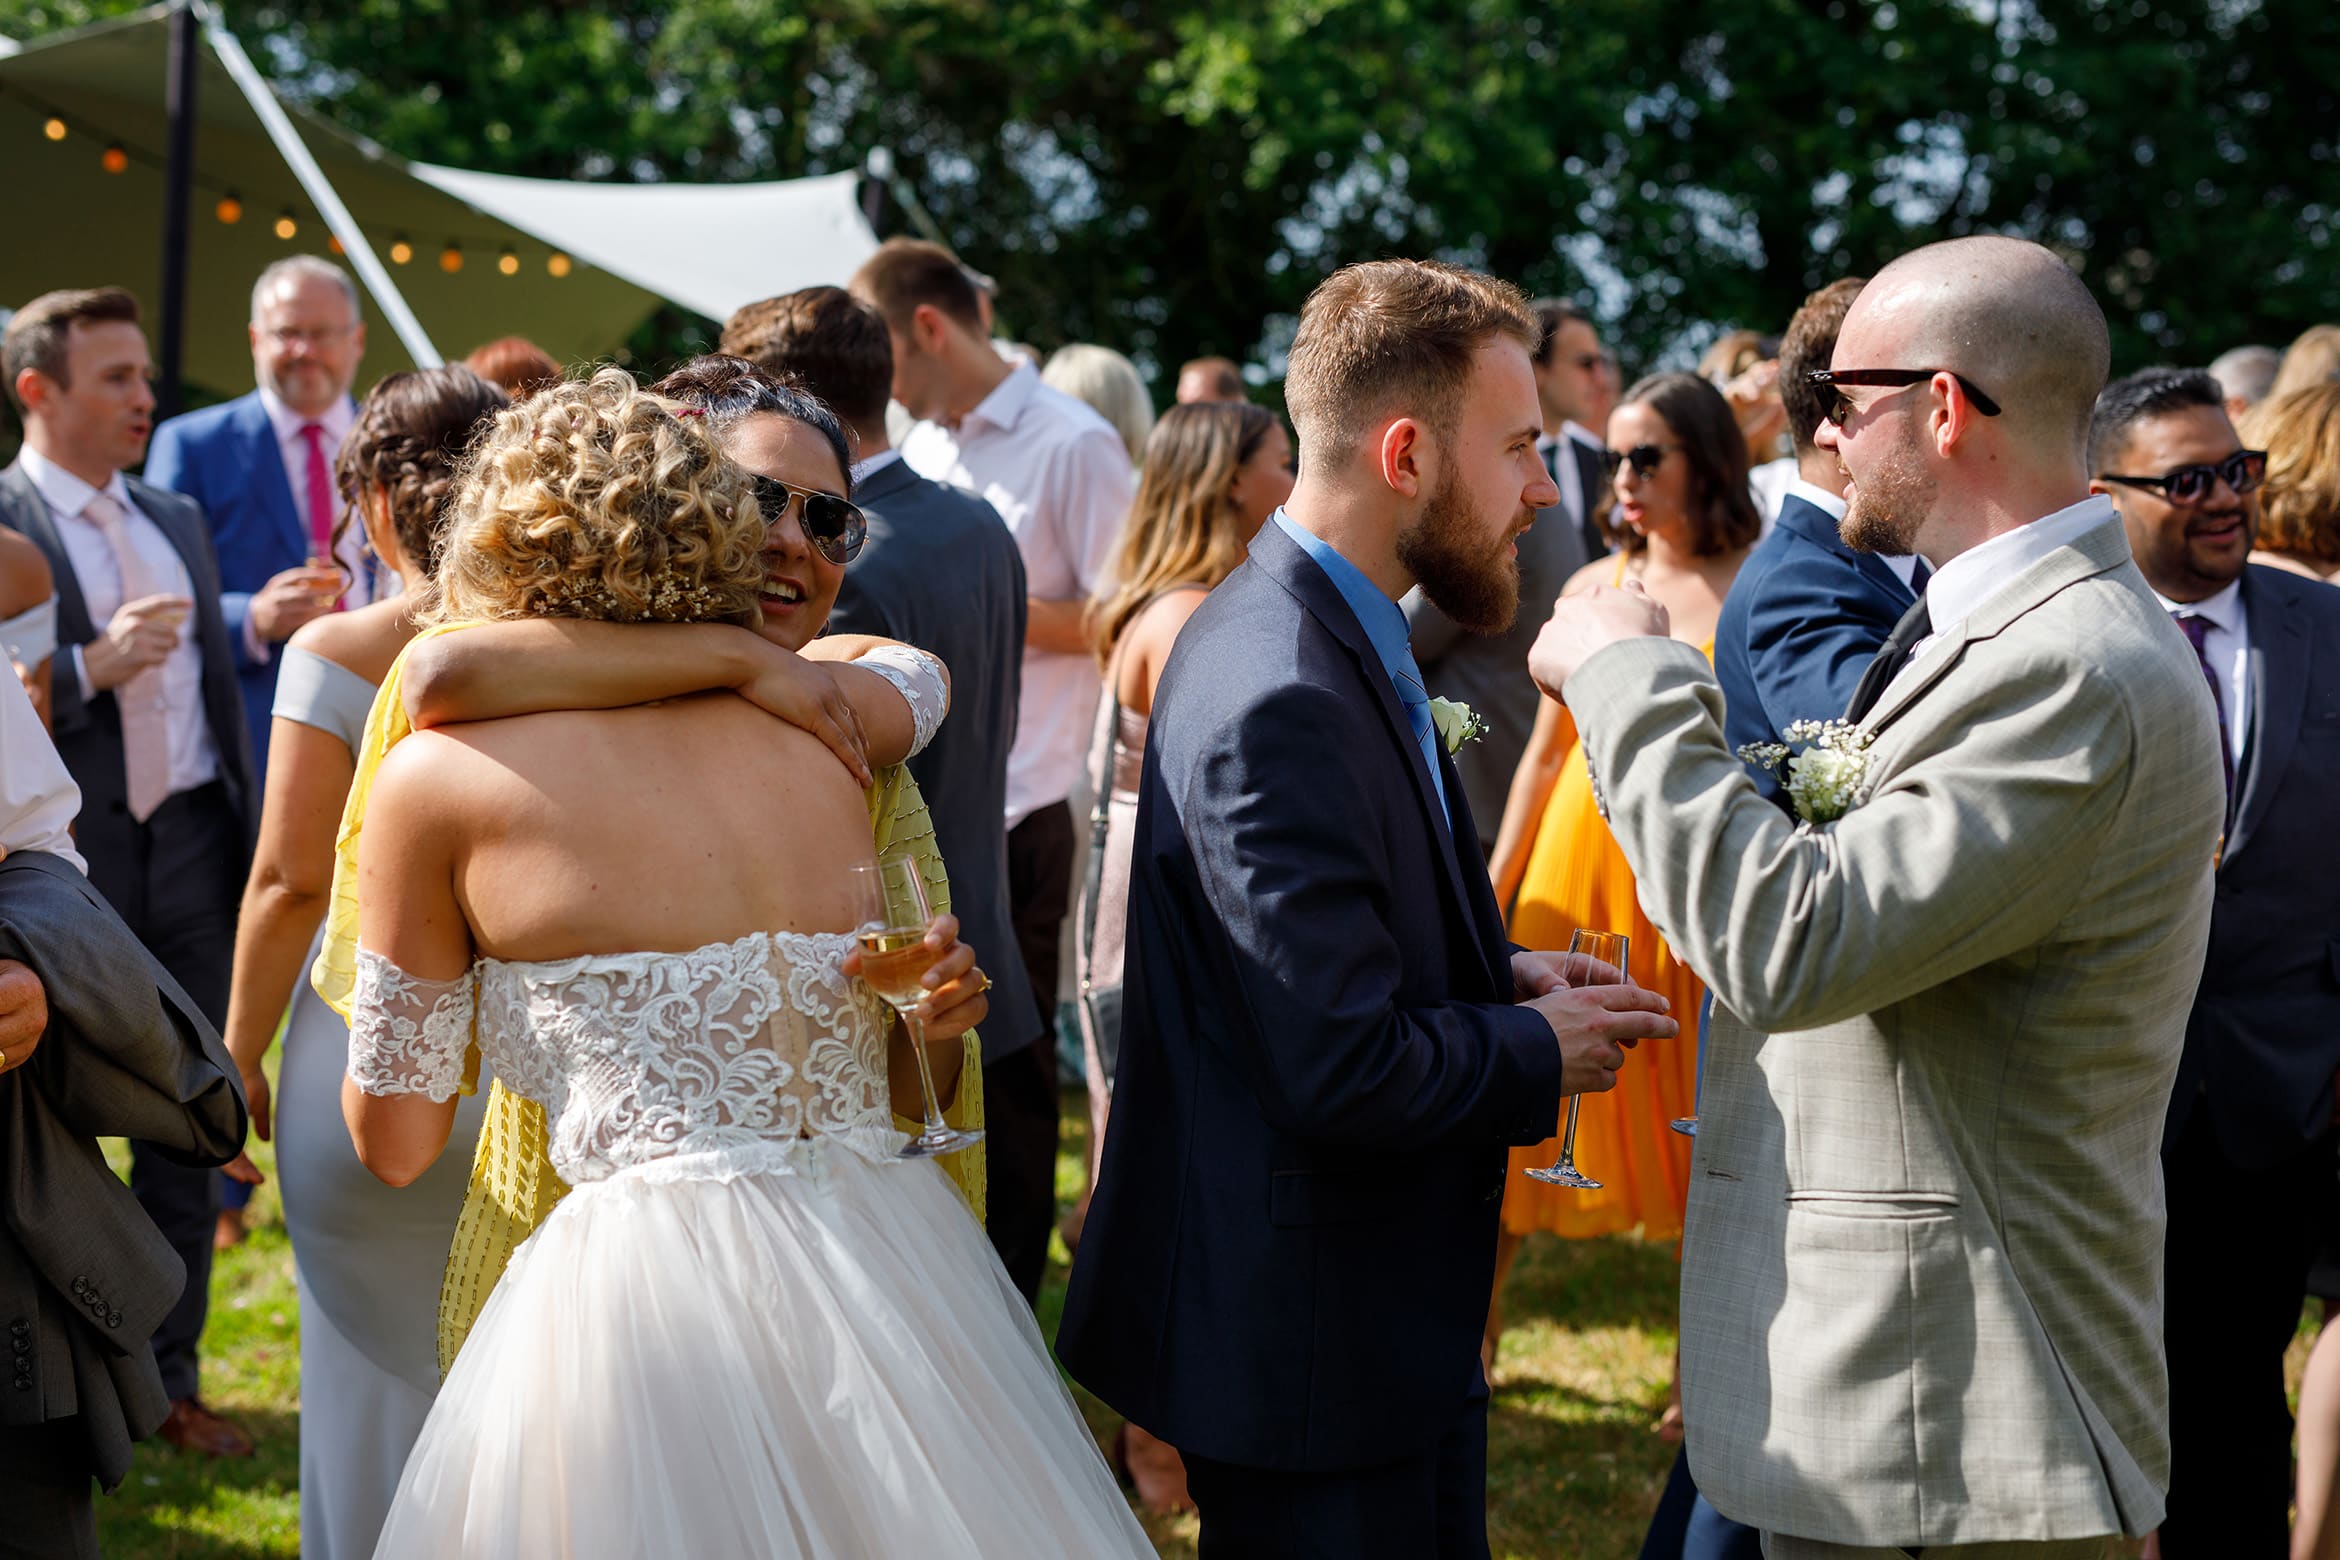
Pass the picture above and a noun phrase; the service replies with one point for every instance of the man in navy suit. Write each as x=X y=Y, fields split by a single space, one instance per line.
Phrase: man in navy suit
x=146 y=718
x=2249 y=1150
x=1807 y=613
x=262 y=468
x=1329 y=1045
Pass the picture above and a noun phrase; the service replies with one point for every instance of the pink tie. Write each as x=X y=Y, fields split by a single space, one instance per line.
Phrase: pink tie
x=146 y=726
x=320 y=496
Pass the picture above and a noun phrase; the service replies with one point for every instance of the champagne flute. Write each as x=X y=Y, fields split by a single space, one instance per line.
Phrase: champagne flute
x=889 y=898
x=1607 y=948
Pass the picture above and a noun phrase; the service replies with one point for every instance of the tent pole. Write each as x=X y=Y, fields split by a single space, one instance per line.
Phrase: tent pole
x=338 y=221
x=178 y=182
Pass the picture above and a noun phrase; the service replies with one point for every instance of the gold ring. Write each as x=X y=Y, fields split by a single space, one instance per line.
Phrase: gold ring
x=3 y=1061
x=986 y=986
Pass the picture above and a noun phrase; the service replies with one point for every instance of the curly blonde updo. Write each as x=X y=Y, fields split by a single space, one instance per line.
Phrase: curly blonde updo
x=593 y=499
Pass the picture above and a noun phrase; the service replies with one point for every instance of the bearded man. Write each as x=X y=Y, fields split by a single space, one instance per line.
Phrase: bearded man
x=1328 y=1045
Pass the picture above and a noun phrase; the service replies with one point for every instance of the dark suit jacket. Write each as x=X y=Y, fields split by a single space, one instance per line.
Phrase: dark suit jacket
x=1802 y=622
x=85 y=1278
x=941 y=572
x=1592 y=480
x=1489 y=671
x=1288 y=1256
x=2264 y=1038
x=226 y=458
x=89 y=733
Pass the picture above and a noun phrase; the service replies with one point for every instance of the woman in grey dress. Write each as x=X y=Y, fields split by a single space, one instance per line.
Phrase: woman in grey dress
x=367 y=1260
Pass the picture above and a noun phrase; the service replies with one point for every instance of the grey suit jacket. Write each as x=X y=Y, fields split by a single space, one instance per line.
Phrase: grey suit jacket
x=1921 y=1287
x=89 y=732
x=940 y=571
x=85 y=1278
x=1489 y=671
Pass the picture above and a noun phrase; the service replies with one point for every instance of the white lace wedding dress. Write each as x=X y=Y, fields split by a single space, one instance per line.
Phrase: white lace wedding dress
x=750 y=1330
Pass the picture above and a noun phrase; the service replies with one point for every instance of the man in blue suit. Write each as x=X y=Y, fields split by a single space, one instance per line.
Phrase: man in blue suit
x=1807 y=613
x=262 y=468
x=1328 y=1044
x=2250 y=1147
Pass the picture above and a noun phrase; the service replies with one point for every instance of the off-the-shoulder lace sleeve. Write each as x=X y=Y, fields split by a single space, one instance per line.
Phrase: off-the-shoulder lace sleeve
x=407 y=1035
x=919 y=676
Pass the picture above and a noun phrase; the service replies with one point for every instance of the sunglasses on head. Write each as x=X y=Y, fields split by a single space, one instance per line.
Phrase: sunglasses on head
x=1643 y=458
x=2245 y=471
x=834 y=527
x=1831 y=382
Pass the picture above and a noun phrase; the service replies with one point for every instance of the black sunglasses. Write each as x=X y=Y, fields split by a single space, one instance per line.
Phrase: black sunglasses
x=2245 y=471
x=1833 y=381
x=834 y=527
x=1643 y=458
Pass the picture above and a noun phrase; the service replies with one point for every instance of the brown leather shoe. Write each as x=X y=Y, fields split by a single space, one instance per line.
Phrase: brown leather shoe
x=193 y=1428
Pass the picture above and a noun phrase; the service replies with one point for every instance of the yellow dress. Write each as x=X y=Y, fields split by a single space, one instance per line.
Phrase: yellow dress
x=513 y=1184
x=1577 y=879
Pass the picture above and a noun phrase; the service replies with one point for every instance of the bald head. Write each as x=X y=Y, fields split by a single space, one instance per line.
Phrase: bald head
x=2005 y=313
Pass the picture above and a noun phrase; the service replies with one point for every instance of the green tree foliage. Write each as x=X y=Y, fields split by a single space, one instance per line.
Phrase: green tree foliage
x=1173 y=176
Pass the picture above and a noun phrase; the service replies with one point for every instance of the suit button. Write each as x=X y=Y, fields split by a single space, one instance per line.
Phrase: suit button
x=18 y=1327
x=24 y=1346
x=81 y=1286
x=114 y=1320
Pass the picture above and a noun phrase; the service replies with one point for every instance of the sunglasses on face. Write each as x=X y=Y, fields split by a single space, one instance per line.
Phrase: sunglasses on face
x=835 y=528
x=1831 y=382
x=1643 y=458
x=2245 y=471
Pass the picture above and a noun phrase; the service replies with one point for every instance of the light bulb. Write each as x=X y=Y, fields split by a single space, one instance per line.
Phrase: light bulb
x=451 y=259
x=287 y=226
x=508 y=263
x=114 y=160
x=54 y=129
x=557 y=264
x=400 y=250
x=229 y=210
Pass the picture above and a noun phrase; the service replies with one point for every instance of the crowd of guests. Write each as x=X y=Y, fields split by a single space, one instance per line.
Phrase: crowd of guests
x=201 y=614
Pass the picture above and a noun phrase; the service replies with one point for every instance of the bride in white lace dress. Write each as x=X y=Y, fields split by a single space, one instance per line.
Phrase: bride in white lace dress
x=751 y=1329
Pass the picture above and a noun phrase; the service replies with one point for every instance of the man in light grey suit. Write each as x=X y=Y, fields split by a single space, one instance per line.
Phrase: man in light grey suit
x=1921 y=1293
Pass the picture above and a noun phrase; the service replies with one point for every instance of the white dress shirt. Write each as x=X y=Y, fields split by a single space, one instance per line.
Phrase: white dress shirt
x=366 y=578
x=1903 y=565
x=38 y=799
x=194 y=759
x=2227 y=647
x=870 y=465
x=1972 y=578
x=1061 y=478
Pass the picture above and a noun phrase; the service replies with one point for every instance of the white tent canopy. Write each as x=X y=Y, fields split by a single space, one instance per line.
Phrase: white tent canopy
x=573 y=266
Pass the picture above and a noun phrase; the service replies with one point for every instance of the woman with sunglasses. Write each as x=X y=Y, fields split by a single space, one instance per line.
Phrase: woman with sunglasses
x=1685 y=519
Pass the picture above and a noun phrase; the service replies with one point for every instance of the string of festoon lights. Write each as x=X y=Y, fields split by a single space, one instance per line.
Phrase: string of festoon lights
x=228 y=206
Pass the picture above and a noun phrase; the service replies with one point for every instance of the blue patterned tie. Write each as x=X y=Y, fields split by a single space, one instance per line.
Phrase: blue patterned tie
x=1416 y=699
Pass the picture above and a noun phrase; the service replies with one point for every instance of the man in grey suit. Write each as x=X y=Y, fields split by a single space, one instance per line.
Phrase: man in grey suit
x=1921 y=1289
x=2250 y=1146
x=939 y=570
x=147 y=718
x=95 y=1038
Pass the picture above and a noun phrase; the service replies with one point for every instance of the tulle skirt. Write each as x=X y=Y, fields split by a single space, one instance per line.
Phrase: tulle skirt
x=819 y=1359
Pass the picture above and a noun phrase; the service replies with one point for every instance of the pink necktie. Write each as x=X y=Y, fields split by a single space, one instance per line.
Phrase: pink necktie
x=320 y=496
x=146 y=726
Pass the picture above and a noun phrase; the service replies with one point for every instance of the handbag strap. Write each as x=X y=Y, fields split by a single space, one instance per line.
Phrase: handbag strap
x=1101 y=819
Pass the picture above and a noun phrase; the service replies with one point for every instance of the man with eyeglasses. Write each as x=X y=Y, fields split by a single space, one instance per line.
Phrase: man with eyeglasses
x=262 y=468
x=2250 y=1148
x=1921 y=1284
x=1576 y=385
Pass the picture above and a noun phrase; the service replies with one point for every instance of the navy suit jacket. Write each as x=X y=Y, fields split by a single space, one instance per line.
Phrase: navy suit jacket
x=89 y=732
x=2264 y=1038
x=226 y=458
x=1288 y=1256
x=940 y=570
x=1802 y=622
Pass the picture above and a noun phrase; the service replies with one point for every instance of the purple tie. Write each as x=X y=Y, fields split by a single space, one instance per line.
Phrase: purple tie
x=2196 y=628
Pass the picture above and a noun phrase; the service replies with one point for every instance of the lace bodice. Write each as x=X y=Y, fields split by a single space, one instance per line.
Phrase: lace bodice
x=641 y=1057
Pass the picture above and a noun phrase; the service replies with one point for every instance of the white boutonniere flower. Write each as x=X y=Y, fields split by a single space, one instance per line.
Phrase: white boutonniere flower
x=1828 y=776
x=1456 y=723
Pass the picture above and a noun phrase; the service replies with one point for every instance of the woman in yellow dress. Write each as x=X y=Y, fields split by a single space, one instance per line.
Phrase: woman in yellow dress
x=1684 y=521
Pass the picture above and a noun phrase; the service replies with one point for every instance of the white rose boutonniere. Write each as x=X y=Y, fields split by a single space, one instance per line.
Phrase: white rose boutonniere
x=1828 y=776
x=1456 y=723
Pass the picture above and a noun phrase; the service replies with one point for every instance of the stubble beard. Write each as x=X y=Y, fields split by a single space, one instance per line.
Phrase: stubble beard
x=1447 y=555
x=1889 y=505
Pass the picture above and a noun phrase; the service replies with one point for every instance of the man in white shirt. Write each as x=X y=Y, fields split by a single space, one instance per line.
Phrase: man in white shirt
x=2249 y=1149
x=1061 y=478
x=262 y=468
x=147 y=718
x=1576 y=385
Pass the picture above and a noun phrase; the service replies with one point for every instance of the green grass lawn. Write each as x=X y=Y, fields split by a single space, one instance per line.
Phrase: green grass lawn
x=1573 y=1469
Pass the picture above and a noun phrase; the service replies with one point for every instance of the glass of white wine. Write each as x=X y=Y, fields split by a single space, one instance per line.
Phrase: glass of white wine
x=891 y=921
x=1606 y=948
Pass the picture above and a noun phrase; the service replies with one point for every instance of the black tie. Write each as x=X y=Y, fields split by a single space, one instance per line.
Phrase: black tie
x=1915 y=624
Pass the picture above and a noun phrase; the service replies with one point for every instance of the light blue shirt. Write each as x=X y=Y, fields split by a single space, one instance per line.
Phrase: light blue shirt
x=1385 y=630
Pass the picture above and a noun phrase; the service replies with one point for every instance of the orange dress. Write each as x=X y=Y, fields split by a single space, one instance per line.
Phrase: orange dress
x=1577 y=879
